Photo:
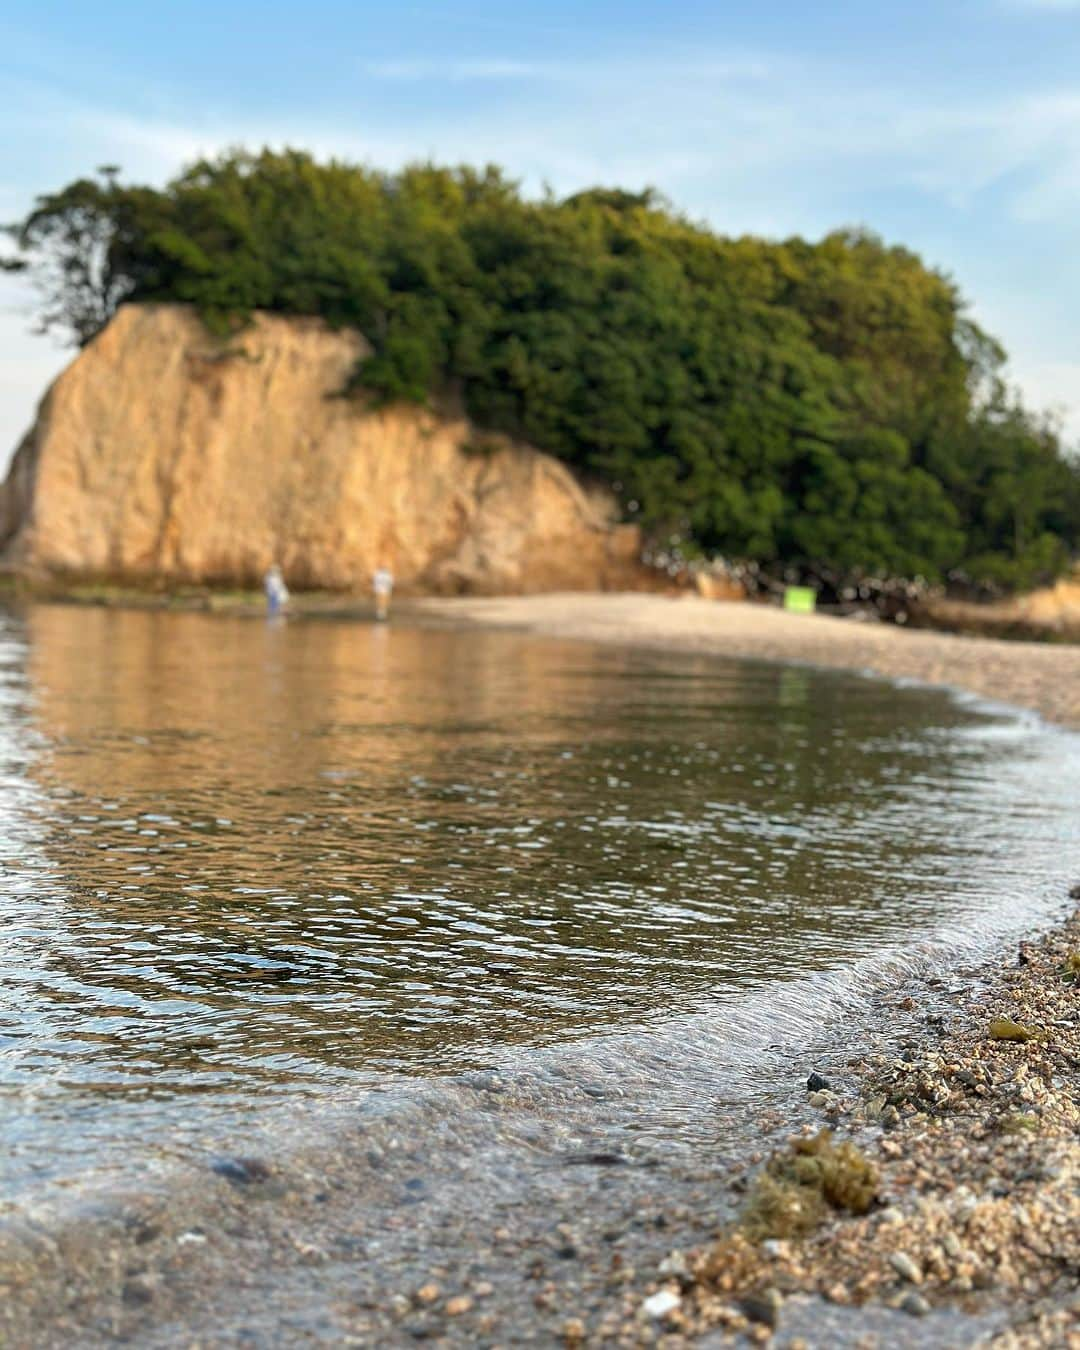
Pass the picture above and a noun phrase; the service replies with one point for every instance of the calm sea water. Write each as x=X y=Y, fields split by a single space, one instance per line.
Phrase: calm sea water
x=246 y=862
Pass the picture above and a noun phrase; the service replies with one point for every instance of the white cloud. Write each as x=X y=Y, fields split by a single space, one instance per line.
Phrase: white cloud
x=585 y=72
x=464 y=70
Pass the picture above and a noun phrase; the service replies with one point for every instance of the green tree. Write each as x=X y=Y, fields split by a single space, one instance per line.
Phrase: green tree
x=825 y=406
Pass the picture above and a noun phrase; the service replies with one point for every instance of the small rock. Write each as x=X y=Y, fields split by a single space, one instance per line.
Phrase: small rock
x=573 y=1331
x=428 y=1293
x=952 y=1246
x=763 y=1308
x=914 y=1304
x=674 y=1266
x=905 y=1267
x=659 y=1305
x=874 y=1107
x=483 y=1289
x=138 y=1291
x=818 y=1083
x=456 y=1306
x=241 y=1171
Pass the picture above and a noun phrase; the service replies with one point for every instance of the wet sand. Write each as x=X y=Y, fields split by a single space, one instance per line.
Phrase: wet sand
x=1044 y=677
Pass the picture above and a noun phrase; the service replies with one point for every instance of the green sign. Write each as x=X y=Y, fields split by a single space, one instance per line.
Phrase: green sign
x=800 y=599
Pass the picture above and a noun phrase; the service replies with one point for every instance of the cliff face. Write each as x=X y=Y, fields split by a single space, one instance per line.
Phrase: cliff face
x=164 y=454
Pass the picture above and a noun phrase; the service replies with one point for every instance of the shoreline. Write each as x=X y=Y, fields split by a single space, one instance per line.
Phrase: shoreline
x=1040 y=673
x=959 y=1224
x=973 y=1142
x=1041 y=677
x=970 y=1133
x=554 y=1267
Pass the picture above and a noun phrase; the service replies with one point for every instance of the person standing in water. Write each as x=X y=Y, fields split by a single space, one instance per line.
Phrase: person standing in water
x=277 y=593
x=382 y=583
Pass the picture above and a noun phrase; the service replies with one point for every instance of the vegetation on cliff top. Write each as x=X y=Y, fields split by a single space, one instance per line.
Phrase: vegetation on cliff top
x=827 y=406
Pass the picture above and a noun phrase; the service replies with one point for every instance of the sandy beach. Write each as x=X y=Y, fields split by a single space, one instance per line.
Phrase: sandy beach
x=1044 y=677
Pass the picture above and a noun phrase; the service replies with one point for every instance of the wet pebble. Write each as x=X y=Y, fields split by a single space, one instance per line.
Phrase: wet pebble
x=914 y=1304
x=905 y=1267
x=241 y=1171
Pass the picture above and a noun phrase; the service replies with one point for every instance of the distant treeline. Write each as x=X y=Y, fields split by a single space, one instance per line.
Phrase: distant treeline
x=825 y=406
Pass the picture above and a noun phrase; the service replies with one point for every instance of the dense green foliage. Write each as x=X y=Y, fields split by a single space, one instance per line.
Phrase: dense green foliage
x=818 y=404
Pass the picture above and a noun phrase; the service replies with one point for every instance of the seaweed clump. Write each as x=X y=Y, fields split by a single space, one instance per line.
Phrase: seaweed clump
x=798 y=1187
x=1005 y=1029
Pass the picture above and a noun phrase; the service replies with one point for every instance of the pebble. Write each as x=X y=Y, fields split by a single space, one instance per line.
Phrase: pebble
x=456 y=1306
x=763 y=1308
x=914 y=1304
x=241 y=1171
x=905 y=1267
x=659 y=1305
x=818 y=1083
x=674 y=1266
x=138 y=1290
x=428 y=1293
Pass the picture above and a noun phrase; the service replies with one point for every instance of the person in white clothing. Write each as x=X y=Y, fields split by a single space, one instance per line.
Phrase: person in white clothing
x=277 y=593
x=382 y=582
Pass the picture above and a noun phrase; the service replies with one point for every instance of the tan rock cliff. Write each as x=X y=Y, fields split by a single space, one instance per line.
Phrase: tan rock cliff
x=163 y=454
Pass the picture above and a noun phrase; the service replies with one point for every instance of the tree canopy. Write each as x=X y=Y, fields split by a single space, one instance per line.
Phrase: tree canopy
x=819 y=405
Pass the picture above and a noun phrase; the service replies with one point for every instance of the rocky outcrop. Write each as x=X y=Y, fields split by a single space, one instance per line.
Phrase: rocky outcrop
x=165 y=455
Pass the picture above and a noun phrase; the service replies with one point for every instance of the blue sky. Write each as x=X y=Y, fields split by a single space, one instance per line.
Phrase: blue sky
x=953 y=128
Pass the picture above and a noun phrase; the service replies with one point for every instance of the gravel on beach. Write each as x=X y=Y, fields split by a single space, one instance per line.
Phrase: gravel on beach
x=973 y=1132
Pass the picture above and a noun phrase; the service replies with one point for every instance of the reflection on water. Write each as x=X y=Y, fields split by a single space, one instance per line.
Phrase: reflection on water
x=243 y=857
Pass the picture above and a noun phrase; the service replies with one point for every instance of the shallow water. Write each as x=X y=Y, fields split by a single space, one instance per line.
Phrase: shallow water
x=245 y=862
